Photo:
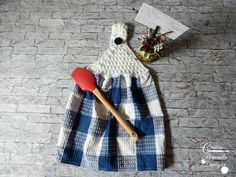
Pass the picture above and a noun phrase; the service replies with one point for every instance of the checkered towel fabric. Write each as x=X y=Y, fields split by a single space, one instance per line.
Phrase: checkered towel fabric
x=91 y=137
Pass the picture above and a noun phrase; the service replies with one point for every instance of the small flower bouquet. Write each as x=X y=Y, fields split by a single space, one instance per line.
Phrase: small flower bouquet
x=151 y=45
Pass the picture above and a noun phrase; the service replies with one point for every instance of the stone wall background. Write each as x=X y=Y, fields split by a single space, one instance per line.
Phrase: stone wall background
x=41 y=41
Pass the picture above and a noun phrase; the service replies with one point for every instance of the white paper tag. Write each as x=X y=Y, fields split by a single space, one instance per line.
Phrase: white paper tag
x=152 y=17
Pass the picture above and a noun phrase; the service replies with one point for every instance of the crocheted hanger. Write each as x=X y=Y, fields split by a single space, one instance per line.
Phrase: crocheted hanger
x=118 y=58
x=118 y=34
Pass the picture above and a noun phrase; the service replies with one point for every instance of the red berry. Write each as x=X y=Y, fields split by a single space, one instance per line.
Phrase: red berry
x=146 y=49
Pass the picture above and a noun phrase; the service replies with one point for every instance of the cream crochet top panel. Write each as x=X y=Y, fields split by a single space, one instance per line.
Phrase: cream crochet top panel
x=118 y=59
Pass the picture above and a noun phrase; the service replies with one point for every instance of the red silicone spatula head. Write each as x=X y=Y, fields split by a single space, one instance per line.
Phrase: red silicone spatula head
x=84 y=78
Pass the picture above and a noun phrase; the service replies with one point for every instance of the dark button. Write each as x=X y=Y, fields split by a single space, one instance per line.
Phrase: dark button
x=118 y=40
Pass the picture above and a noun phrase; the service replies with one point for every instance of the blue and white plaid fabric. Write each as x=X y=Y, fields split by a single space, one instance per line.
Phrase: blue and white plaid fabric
x=91 y=137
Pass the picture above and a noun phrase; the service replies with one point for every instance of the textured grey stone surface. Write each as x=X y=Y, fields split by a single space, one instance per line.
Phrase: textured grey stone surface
x=41 y=41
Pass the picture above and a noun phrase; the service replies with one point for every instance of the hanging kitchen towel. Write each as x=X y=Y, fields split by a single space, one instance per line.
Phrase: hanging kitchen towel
x=91 y=137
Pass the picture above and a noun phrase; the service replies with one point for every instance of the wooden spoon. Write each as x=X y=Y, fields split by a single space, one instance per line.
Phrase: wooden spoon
x=87 y=82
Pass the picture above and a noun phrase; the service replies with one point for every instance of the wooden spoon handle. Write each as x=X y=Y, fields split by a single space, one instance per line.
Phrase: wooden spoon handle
x=116 y=114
